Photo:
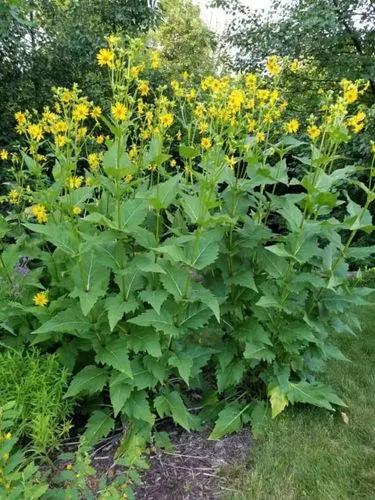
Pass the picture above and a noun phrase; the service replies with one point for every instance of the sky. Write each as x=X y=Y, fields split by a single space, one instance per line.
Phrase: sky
x=216 y=18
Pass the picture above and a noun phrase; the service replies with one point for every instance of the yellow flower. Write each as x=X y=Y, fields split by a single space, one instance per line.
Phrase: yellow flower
x=14 y=197
x=100 y=139
x=202 y=127
x=35 y=131
x=263 y=94
x=76 y=210
x=93 y=160
x=292 y=126
x=96 y=112
x=40 y=213
x=133 y=152
x=251 y=81
x=128 y=178
x=8 y=436
x=313 y=132
x=179 y=135
x=206 y=143
x=119 y=111
x=295 y=65
x=69 y=467
x=143 y=88
x=251 y=124
x=185 y=75
x=273 y=65
x=155 y=59
x=60 y=126
x=230 y=161
x=350 y=91
x=81 y=111
x=4 y=155
x=113 y=39
x=236 y=99
x=356 y=122
x=74 y=182
x=268 y=118
x=41 y=299
x=105 y=57
x=166 y=120
x=67 y=96
x=81 y=132
x=60 y=140
x=260 y=137
x=152 y=167
x=250 y=103
x=20 y=118
x=173 y=163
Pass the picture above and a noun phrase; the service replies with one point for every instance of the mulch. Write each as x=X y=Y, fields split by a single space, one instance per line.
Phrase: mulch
x=193 y=470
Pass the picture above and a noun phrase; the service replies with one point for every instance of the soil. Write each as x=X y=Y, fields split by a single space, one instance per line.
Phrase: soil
x=194 y=469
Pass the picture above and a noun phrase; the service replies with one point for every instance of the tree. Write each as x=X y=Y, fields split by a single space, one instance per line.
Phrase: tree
x=45 y=43
x=338 y=34
x=186 y=43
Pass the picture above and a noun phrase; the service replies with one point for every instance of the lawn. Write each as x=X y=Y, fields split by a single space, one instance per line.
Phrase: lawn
x=310 y=453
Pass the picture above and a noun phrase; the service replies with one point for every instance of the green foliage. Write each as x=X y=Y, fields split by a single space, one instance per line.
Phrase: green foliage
x=19 y=477
x=37 y=384
x=224 y=281
x=181 y=36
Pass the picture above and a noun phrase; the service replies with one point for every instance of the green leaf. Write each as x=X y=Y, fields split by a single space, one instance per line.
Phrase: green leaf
x=116 y=162
x=115 y=354
x=257 y=350
x=162 y=195
x=144 y=339
x=98 y=426
x=230 y=376
x=278 y=399
x=88 y=381
x=188 y=151
x=259 y=418
x=174 y=280
x=204 y=250
x=171 y=404
x=120 y=388
x=161 y=322
x=70 y=321
x=91 y=281
x=202 y=294
x=60 y=235
x=243 y=278
x=147 y=264
x=132 y=214
x=191 y=206
x=228 y=421
x=313 y=393
x=184 y=363
x=155 y=298
x=138 y=407
x=116 y=308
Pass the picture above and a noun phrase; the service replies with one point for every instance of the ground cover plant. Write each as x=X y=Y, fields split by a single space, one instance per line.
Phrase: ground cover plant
x=167 y=257
x=36 y=384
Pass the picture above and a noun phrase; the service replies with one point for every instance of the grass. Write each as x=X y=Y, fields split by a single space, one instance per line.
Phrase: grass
x=310 y=453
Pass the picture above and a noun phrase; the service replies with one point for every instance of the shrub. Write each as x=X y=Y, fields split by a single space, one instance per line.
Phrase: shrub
x=37 y=384
x=171 y=251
